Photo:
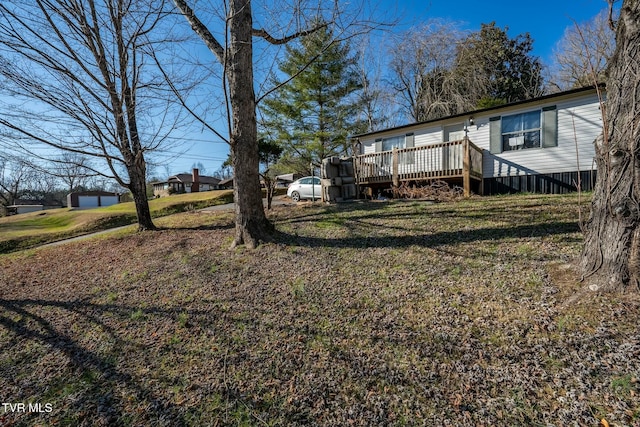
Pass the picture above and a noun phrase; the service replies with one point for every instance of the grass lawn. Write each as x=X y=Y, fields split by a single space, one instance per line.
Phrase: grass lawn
x=381 y=313
x=27 y=230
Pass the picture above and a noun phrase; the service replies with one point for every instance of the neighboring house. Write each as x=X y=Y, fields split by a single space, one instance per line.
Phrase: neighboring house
x=185 y=183
x=24 y=206
x=21 y=206
x=91 y=199
x=20 y=209
x=226 y=184
x=543 y=145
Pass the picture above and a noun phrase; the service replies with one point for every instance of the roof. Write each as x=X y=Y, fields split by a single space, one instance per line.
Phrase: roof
x=187 y=178
x=226 y=181
x=27 y=202
x=287 y=177
x=94 y=193
x=485 y=110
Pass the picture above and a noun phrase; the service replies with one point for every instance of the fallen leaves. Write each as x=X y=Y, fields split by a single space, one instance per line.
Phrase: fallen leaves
x=390 y=316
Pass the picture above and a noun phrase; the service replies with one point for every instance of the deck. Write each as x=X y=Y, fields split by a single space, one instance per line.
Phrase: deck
x=455 y=160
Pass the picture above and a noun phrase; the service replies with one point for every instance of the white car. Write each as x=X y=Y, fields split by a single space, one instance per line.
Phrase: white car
x=305 y=188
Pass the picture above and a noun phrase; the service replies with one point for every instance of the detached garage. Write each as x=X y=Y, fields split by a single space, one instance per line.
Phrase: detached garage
x=91 y=199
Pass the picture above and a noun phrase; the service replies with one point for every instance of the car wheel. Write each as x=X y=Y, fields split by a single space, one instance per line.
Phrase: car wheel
x=295 y=196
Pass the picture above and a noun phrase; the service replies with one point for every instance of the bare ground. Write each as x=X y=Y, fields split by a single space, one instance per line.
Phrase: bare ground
x=465 y=313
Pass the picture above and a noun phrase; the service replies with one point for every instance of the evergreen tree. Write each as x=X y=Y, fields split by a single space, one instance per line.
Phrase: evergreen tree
x=315 y=110
x=494 y=69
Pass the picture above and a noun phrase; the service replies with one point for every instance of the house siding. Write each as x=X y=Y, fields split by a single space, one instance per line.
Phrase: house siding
x=579 y=123
x=583 y=113
x=429 y=136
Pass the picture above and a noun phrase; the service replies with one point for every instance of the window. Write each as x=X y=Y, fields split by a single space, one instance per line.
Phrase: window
x=535 y=129
x=400 y=142
x=389 y=144
x=309 y=180
x=521 y=131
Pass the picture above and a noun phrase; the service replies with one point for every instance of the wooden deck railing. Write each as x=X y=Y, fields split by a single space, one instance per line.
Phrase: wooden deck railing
x=455 y=159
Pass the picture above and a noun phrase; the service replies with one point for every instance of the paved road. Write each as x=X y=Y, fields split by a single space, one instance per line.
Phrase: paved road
x=85 y=236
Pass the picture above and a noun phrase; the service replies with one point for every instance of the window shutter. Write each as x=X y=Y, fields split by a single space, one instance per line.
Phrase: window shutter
x=550 y=126
x=495 y=135
x=409 y=140
x=378 y=145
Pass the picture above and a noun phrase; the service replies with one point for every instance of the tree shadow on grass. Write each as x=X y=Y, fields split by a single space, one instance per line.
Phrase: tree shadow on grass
x=210 y=227
x=99 y=402
x=91 y=386
x=399 y=209
x=433 y=240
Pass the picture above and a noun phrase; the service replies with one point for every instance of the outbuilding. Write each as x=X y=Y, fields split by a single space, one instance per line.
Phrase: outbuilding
x=23 y=208
x=91 y=199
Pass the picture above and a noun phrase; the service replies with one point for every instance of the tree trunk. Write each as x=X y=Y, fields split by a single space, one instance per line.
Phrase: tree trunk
x=138 y=187
x=270 y=187
x=252 y=225
x=611 y=254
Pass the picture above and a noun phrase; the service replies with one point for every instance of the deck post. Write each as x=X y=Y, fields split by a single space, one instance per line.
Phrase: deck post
x=394 y=168
x=466 y=168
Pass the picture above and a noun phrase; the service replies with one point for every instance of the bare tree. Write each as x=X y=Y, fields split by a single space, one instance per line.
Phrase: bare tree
x=269 y=153
x=252 y=225
x=377 y=105
x=423 y=60
x=43 y=184
x=224 y=171
x=234 y=50
x=15 y=179
x=200 y=166
x=85 y=68
x=73 y=169
x=611 y=254
x=583 y=53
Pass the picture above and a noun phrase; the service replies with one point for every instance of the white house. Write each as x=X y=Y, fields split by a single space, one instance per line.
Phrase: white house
x=540 y=145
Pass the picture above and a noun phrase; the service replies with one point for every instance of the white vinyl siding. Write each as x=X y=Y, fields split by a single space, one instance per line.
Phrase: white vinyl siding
x=580 y=111
x=429 y=136
x=584 y=113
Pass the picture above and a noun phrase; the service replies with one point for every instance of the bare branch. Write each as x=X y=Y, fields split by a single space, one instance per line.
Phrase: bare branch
x=283 y=40
x=201 y=30
x=612 y=23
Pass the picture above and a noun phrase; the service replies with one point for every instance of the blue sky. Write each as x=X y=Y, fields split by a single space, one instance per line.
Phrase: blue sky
x=545 y=20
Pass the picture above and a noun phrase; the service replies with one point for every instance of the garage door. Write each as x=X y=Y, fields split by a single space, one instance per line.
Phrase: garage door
x=88 y=201
x=108 y=200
